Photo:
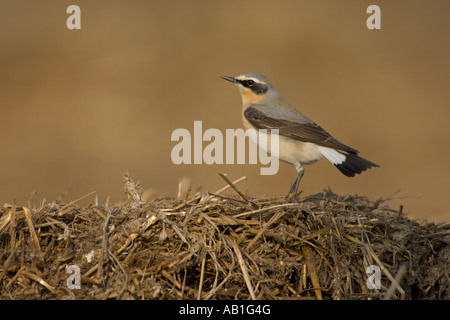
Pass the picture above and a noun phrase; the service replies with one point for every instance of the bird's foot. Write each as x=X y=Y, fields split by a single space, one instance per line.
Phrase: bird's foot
x=292 y=197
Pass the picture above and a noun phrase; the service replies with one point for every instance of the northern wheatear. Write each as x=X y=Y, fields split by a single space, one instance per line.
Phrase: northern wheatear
x=301 y=141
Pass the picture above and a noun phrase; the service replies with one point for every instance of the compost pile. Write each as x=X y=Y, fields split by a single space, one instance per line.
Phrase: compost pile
x=222 y=245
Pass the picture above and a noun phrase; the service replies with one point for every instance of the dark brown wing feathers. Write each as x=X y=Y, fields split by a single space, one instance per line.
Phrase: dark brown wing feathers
x=306 y=132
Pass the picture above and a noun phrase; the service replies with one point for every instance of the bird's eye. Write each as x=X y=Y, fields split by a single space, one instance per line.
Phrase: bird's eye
x=250 y=83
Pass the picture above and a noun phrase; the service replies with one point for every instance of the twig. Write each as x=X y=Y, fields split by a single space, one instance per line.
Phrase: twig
x=437 y=234
x=4 y=220
x=99 y=213
x=244 y=271
x=85 y=279
x=104 y=248
x=336 y=227
x=214 y=290
x=62 y=210
x=129 y=240
x=222 y=196
x=117 y=263
x=12 y=225
x=34 y=237
x=38 y=279
x=209 y=197
x=266 y=209
x=224 y=177
x=184 y=204
x=312 y=270
x=183 y=286
x=272 y=220
x=202 y=274
x=398 y=277
x=444 y=225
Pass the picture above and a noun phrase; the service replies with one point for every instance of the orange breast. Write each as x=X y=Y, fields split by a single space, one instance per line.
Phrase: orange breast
x=248 y=97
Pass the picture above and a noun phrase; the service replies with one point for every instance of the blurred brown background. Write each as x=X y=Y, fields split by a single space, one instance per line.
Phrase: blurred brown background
x=80 y=107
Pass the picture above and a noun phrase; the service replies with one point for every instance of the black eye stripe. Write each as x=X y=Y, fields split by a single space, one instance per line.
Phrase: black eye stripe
x=243 y=82
x=256 y=87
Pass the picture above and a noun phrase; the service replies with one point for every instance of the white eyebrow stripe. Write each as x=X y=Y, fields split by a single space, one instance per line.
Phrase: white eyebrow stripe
x=249 y=78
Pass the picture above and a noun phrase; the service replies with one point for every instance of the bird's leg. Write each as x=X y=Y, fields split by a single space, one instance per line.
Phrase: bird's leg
x=293 y=191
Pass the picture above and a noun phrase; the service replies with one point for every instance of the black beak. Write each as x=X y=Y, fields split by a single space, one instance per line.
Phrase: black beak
x=231 y=79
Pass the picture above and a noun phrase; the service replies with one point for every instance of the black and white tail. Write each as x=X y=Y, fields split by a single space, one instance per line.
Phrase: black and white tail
x=349 y=163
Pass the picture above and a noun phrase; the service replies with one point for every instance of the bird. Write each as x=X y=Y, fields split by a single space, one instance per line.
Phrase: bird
x=301 y=141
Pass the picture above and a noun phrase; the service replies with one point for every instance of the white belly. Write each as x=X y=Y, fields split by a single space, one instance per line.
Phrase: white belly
x=289 y=150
